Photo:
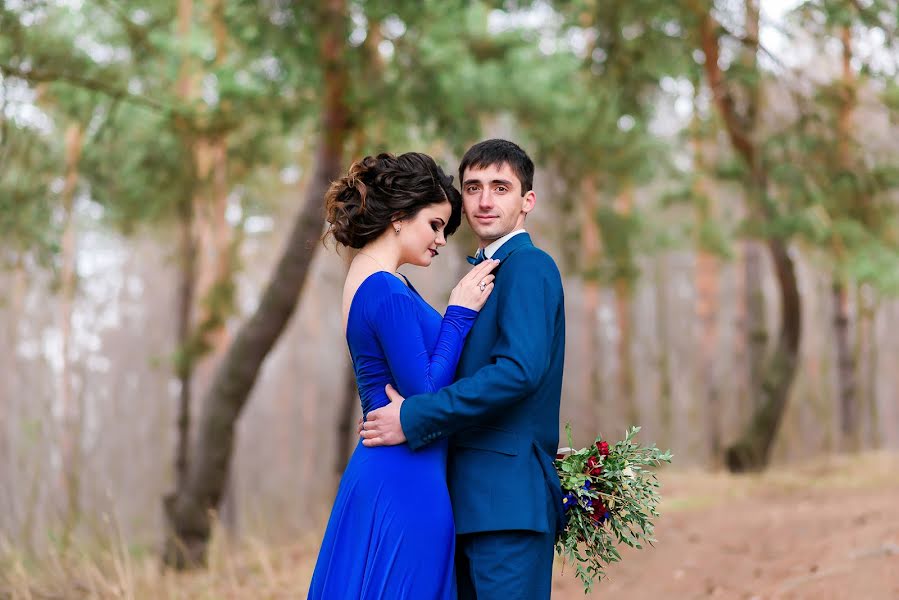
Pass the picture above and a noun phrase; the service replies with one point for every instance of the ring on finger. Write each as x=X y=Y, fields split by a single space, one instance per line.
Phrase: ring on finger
x=483 y=285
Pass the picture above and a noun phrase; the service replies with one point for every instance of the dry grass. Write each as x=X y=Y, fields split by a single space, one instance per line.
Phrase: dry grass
x=255 y=569
x=249 y=569
x=695 y=489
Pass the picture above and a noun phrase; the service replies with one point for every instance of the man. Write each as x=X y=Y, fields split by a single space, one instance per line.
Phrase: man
x=502 y=414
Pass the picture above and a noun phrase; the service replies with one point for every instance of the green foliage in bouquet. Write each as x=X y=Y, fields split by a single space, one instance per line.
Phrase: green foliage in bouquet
x=610 y=495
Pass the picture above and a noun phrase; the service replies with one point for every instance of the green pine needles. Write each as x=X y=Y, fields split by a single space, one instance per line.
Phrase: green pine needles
x=610 y=496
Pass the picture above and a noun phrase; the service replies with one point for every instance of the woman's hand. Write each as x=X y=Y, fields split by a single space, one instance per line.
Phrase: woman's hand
x=473 y=290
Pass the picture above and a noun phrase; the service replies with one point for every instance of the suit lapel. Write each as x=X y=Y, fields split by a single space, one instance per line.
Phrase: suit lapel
x=476 y=352
x=511 y=245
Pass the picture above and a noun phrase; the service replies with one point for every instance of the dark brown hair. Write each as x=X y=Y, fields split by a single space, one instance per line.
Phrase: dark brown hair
x=380 y=189
x=491 y=153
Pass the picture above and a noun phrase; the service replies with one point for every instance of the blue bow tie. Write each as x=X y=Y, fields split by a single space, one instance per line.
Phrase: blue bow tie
x=477 y=258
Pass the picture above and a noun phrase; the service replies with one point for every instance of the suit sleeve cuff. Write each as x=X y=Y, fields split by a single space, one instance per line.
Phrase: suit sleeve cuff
x=415 y=437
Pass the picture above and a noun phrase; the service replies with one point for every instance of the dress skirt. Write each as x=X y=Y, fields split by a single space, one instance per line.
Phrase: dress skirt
x=390 y=535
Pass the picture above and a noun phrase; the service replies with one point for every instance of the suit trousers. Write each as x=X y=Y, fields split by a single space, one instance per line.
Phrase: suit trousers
x=504 y=565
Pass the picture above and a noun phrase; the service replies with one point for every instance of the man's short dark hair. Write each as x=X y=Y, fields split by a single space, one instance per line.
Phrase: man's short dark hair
x=491 y=153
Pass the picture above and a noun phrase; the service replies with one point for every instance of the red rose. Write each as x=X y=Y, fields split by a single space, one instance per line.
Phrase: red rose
x=593 y=467
x=599 y=510
x=603 y=448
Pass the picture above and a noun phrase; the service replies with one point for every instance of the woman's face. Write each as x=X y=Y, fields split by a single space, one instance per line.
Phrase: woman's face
x=422 y=235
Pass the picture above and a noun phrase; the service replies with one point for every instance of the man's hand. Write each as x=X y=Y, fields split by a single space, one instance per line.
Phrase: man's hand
x=382 y=427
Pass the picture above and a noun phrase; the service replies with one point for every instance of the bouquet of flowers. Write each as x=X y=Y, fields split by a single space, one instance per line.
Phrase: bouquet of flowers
x=610 y=495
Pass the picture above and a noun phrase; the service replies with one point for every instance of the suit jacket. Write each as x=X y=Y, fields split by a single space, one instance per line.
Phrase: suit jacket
x=502 y=414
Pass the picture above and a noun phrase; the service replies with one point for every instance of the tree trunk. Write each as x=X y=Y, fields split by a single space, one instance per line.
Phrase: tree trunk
x=707 y=287
x=845 y=368
x=24 y=519
x=756 y=328
x=188 y=508
x=590 y=255
x=663 y=363
x=846 y=365
x=752 y=449
x=9 y=390
x=215 y=287
x=624 y=307
x=624 y=310
x=707 y=291
x=865 y=352
x=71 y=409
x=186 y=271
x=215 y=249
x=184 y=359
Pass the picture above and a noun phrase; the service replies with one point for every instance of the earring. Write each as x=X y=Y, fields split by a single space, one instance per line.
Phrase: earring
x=397 y=230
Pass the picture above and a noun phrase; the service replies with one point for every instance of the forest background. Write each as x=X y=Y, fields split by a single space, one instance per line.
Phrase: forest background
x=718 y=181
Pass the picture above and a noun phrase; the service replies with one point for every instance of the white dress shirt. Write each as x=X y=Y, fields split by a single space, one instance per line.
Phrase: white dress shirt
x=491 y=249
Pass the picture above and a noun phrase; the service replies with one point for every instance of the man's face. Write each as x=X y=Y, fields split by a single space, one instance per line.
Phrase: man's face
x=492 y=201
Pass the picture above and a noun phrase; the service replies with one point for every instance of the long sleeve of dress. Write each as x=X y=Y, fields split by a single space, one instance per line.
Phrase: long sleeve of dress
x=414 y=369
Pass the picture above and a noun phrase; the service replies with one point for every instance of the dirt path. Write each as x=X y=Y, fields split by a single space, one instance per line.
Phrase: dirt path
x=823 y=531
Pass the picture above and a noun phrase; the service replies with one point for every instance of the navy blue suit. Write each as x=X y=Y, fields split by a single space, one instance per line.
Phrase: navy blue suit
x=502 y=418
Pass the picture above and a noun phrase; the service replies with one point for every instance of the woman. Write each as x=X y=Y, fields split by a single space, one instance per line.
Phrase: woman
x=391 y=535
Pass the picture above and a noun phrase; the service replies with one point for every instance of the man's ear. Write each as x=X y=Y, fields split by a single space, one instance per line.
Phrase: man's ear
x=528 y=202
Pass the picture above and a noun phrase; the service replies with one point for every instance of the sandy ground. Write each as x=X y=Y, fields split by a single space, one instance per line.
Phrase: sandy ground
x=829 y=530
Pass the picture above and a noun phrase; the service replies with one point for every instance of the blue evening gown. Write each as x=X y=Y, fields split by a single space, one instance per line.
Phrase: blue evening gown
x=391 y=534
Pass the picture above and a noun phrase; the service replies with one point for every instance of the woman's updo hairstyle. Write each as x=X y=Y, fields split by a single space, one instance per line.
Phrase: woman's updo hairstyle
x=379 y=190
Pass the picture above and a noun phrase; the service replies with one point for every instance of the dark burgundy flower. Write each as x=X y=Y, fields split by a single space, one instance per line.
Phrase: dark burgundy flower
x=594 y=467
x=600 y=512
x=603 y=448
